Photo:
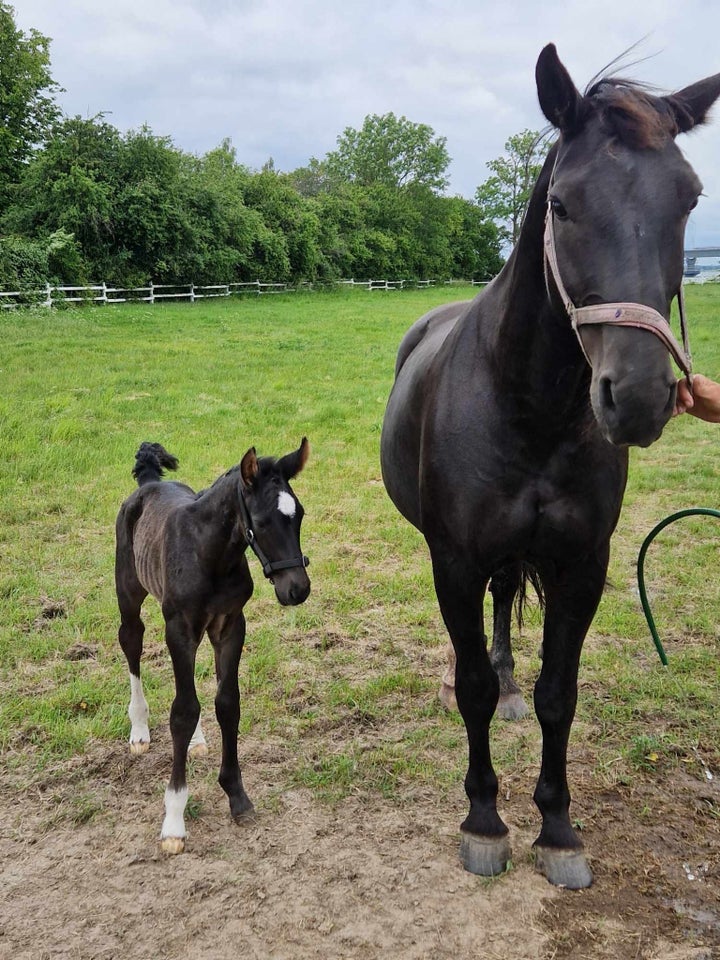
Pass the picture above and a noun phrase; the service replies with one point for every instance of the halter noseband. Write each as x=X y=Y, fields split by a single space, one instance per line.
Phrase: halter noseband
x=620 y=314
x=269 y=567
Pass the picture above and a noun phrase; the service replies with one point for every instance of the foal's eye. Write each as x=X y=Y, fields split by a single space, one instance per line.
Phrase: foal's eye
x=558 y=209
x=693 y=204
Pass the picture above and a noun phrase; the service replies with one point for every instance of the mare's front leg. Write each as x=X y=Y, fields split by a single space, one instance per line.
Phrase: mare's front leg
x=484 y=846
x=511 y=705
x=572 y=594
x=183 y=638
x=228 y=638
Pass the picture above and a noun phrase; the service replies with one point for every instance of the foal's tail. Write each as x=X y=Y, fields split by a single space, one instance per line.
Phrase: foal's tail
x=150 y=461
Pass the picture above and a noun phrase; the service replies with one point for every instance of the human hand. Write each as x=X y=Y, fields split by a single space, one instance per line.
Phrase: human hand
x=702 y=400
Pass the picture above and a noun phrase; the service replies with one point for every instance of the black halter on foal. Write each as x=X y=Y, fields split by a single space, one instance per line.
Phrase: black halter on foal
x=621 y=314
x=269 y=567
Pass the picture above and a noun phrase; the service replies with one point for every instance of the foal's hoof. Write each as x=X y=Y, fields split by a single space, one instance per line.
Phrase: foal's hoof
x=564 y=868
x=197 y=750
x=484 y=856
x=172 y=845
x=139 y=747
x=446 y=696
x=512 y=707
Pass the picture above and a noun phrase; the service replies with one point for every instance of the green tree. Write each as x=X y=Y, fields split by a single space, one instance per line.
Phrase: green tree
x=503 y=197
x=27 y=107
x=392 y=151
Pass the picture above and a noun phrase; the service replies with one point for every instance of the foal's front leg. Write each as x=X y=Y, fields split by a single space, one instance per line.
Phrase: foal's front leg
x=228 y=639
x=572 y=594
x=484 y=846
x=182 y=640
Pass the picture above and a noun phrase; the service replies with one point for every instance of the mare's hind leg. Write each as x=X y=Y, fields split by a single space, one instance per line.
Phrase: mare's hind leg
x=484 y=846
x=227 y=639
x=503 y=587
x=572 y=594
x=130 y=596
x=182 y=640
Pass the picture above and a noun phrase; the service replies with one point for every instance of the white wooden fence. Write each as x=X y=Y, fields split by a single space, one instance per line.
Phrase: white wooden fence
x=50 y=295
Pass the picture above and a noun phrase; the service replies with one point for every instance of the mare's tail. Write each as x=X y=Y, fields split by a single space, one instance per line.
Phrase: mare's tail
x=528 y=577
x=151 y=461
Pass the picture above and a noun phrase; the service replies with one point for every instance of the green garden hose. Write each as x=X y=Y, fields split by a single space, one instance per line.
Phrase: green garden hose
x=690 y=512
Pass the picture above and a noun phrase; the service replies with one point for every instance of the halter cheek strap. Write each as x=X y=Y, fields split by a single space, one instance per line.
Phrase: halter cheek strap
x=269 y=567
x=620 y=314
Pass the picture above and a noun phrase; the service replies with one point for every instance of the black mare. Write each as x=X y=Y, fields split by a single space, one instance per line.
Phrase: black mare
x=505 y=437
x=188 y=550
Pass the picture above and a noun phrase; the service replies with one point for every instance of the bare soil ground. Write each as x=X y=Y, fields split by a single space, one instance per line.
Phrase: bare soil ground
x=363 y=878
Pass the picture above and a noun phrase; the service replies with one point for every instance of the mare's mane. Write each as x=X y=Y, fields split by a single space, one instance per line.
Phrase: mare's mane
x=631 y=113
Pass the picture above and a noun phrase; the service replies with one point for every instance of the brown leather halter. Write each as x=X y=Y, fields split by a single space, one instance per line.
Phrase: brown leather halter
x=621 y=314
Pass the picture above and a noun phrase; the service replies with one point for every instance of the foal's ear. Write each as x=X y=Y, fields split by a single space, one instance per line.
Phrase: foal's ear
x=690 y=106
x=292 y=463
x=249 y=467
x=559 y=98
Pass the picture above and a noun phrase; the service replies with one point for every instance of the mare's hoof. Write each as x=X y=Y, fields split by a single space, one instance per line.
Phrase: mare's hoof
x=512 y=707
x=139 y=746
x=172 y=845
x=197 y=750
x=484 y=856
x=243 y=812
x=564 y=868
x=446 y=695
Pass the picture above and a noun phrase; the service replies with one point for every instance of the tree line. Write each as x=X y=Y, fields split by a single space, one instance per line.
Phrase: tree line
x=81 y=201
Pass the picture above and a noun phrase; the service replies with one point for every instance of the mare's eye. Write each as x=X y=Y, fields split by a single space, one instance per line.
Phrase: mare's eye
x=693 y=204
x=558 y=209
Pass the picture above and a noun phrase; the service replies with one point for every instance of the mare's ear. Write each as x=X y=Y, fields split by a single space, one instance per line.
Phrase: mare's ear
x=559 y=98
x=292 y=463
x=249 y=467
x=690 y=106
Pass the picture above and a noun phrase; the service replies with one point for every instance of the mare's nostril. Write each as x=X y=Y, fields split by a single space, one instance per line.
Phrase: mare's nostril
x=606 y=393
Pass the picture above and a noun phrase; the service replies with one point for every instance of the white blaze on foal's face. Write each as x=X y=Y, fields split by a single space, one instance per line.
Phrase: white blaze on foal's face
x=286 y=503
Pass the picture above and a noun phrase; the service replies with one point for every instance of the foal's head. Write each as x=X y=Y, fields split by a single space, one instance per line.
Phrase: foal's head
x=620 y=194
x=272 y=520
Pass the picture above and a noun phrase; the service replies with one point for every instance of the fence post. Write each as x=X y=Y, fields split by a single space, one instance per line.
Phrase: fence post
x=104 y=293
x=152 y=293
x=48 y=295
x=192 y=293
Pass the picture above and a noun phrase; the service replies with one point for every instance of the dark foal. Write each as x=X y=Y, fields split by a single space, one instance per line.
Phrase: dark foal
x=506 y=432
x=188 y=550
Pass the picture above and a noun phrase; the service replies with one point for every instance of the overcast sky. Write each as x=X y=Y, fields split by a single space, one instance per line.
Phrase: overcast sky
x=283 y=78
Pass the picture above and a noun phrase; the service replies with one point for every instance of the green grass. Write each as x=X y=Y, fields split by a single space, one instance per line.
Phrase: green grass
x=347 y=682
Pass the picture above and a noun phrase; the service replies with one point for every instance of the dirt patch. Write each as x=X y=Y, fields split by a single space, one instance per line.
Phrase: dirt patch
x=367 y=877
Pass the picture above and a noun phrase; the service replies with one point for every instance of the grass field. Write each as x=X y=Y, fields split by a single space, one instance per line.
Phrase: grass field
x=345 y=684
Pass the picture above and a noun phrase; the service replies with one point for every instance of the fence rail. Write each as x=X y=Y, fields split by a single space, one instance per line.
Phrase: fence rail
x=51 y=295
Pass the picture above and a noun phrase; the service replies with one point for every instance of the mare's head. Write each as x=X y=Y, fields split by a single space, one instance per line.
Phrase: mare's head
x=620 y=193
x=273 y=518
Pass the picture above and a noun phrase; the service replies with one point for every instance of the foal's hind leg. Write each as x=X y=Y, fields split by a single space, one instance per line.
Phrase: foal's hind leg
x=484 y=846
x=227 y=640
x=503 y=587
x=130 y=598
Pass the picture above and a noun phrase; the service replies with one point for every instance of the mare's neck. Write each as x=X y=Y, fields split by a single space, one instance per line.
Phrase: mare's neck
x=534 y=347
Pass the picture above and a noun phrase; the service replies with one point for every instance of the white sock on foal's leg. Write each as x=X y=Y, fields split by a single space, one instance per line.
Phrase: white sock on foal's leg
x=139 y=716
x=198 y=745
x=172 y=835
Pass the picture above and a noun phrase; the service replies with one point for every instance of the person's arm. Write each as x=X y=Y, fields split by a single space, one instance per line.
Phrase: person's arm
x=703 y=401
